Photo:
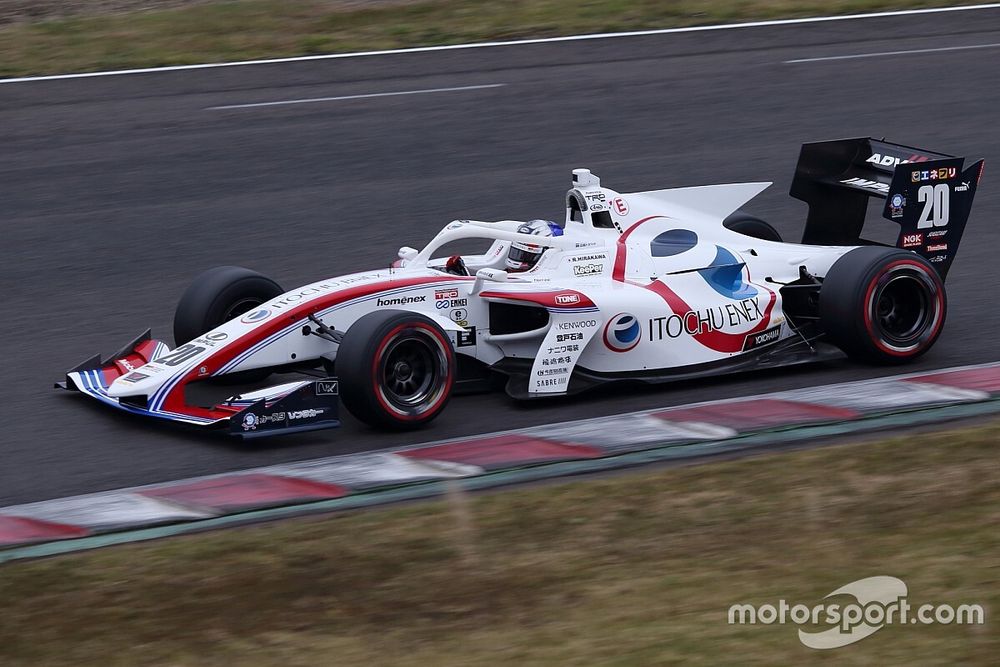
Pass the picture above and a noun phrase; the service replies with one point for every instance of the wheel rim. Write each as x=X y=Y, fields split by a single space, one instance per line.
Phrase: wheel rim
x=904 y=309
x=240 y=307
x=411 y=372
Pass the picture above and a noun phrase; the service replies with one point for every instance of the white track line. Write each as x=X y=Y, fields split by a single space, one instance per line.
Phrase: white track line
x=893 y=53
x=254 y=105
x=481 y=45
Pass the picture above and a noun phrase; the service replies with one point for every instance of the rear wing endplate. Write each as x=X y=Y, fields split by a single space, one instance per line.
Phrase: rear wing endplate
x=929 y=195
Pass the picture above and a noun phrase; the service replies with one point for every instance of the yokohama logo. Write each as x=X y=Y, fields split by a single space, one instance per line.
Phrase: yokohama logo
x=567 y=299
x=765 y=337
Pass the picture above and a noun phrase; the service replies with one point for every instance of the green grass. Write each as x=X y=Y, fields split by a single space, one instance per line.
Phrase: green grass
x=635 y=569
x=247 y=29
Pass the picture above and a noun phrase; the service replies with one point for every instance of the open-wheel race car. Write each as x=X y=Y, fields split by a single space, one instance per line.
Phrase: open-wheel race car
x=652 y=286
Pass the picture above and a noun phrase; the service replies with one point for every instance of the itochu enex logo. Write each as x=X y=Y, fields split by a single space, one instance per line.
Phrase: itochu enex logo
x=622 y=332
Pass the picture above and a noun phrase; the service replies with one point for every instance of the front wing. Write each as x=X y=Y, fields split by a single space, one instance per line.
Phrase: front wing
x=285 y=408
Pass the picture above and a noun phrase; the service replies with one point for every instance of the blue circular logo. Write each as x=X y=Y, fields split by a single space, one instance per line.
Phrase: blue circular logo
x=622 y=332
x=256 y=316
x=897 y=200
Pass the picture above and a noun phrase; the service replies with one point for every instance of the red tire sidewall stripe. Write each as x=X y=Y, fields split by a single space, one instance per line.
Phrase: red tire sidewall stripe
x=939 y=303
x=376 y=362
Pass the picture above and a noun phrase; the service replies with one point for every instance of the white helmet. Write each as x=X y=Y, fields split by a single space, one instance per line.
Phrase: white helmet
x=523 y=256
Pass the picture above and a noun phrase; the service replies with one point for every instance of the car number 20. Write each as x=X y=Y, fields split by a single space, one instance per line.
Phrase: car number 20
x=935 y=199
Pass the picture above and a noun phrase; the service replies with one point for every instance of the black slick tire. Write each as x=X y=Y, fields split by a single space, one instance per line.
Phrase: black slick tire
x=882 y=305
x=396 y=369
x=217 y=296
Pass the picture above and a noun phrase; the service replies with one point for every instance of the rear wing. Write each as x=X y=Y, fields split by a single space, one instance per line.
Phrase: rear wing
x=929 y=195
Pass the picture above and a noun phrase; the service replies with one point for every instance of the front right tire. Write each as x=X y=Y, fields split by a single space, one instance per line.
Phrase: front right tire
x=396 y=369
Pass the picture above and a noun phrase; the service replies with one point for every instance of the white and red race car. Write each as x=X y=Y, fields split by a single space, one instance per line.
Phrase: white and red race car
x=652 y=286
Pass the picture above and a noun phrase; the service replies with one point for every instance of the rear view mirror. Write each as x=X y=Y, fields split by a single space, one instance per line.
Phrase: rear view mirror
x=488 y=275
x=406 y=254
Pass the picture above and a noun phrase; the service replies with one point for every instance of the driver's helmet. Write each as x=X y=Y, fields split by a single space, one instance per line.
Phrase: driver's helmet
x=523 y=256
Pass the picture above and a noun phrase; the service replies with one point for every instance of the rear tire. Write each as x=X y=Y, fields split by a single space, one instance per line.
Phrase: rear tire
x=396 y=369
x=217 y=296
x=882 y=305
x=748 y=225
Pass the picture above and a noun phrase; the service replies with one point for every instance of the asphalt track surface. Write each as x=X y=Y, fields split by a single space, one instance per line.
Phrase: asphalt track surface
x=115 y=192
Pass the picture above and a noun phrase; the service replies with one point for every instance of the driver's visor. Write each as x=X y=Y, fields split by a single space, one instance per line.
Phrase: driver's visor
x=523 y=255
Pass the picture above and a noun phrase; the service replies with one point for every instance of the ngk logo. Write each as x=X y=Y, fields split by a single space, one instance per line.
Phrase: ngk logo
x=913 y=240
x=567 y=299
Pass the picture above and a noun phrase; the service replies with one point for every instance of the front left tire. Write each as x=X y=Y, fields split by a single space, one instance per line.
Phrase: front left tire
x=217 y=296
